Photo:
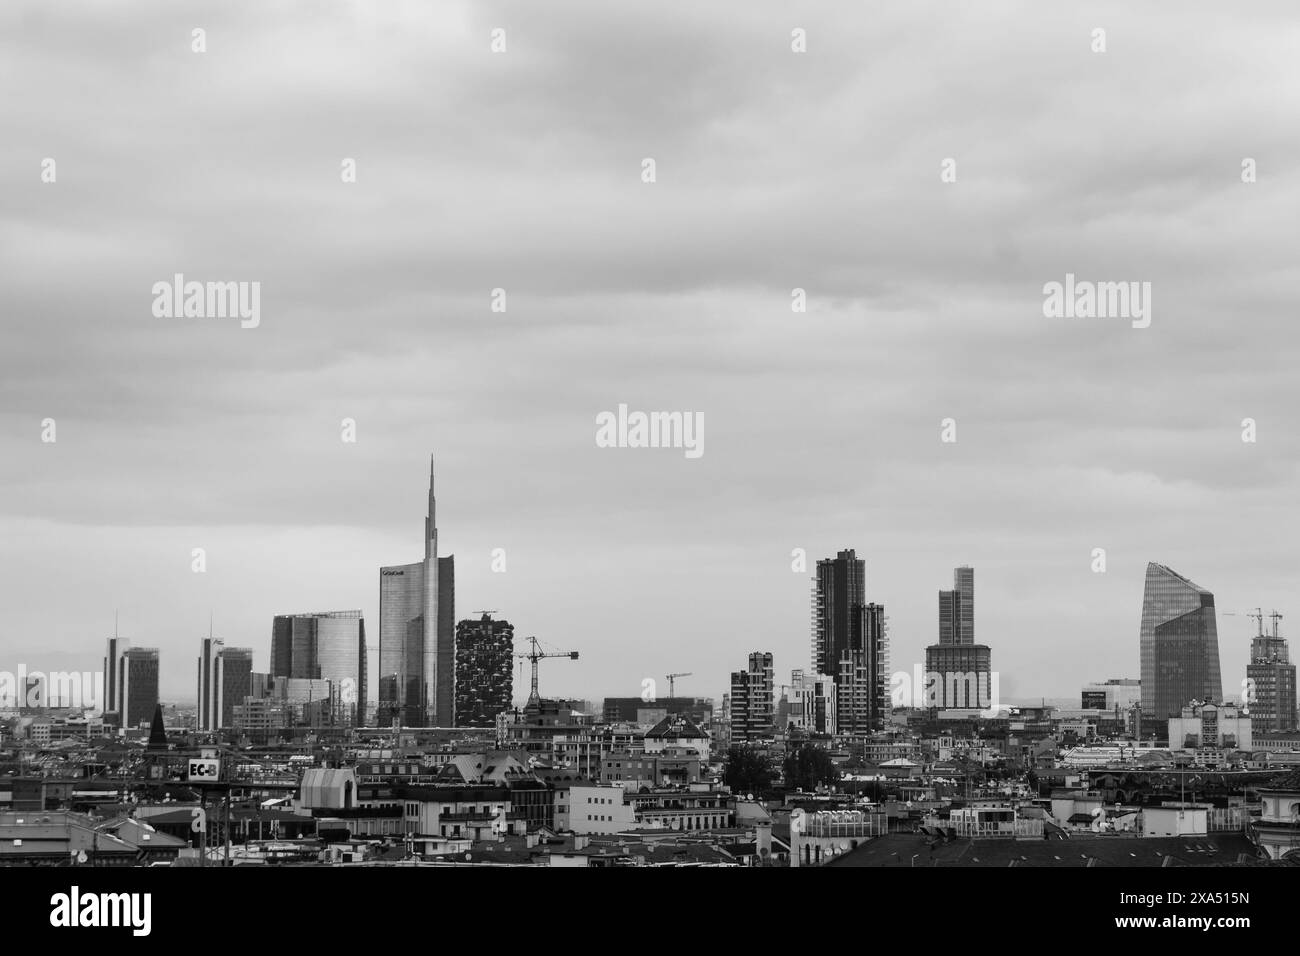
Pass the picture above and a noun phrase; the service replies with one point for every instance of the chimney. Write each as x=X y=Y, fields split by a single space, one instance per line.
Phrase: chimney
x=580 y=841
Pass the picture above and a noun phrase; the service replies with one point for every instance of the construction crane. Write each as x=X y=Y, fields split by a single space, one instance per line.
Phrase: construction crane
x=1258 y=615
x=483 y=614
x=672 y=682
x=535 y=655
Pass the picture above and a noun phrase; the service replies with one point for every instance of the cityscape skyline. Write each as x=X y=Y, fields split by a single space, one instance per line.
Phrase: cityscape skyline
x=838 y=588
x=959 y=626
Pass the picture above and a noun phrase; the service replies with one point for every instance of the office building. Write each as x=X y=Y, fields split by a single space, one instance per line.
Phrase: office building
x=1116 y=694
x=113 y=659
x=139 y=686
x=326 y=645
x=417 y=640
x=234 y=682
x=208 y=716
x=1271 y=682
x=1179 y=644
x=753 y=700
x=959 y=672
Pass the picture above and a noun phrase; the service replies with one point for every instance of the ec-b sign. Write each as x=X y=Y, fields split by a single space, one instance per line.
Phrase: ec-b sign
x=202 y=771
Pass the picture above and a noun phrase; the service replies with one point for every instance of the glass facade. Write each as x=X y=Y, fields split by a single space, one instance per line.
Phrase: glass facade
x=139 y=685
x=1179 y=644
x=401 y=644
x=417 y=636
x=329 y=645
x=234 y=681
x=957 y=609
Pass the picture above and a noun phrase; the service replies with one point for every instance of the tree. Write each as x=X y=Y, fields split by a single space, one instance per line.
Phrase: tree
x=747 y=770
x=809 y=767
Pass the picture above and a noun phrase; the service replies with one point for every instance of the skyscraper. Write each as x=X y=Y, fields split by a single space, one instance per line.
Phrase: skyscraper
x=417 y=638
x=113 y=676
x=139 y=685
x=208 y=716
x=753 y=699
x=327 y=645
x=485 y=659
x=959 y=672
x=850 y=642
x=838 y=591
x=957 y=609
x=234 y=682
x=1179 y=645
x=1272 y=681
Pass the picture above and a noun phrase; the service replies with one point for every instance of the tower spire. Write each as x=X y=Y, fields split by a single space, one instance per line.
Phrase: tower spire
x=430 y=521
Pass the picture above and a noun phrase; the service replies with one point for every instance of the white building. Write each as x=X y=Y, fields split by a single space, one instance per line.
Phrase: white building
x=1210 y=725
x=593 y=809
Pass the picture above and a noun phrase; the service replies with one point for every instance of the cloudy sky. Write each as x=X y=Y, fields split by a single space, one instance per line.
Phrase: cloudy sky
x=522 y=171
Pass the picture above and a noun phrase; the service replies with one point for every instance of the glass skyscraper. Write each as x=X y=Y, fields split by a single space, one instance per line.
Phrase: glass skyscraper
x=328 y=645
x=1179 y=644
x=417 y=637
x=139 y=685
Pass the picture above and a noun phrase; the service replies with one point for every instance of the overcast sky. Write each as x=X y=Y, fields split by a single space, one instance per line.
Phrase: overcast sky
x=522 y=170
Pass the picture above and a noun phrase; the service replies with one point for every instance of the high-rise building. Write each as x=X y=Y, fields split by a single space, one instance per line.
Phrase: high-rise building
x=850 y=639
x=959 y=672
x=1271 y=679
x=839 y=590
x=327 y=645
x=1179 y=645
x=113 y=677
x=139 y=685
x=753 y=704
x=957 y=609
x=234 y=682
x=208 y=717
x=485 y=667
x=417 y=638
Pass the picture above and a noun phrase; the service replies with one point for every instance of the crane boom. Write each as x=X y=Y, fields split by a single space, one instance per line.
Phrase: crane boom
x=535 y=655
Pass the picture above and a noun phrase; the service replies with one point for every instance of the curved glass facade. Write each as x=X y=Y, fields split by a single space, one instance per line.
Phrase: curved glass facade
x=1179 y=644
